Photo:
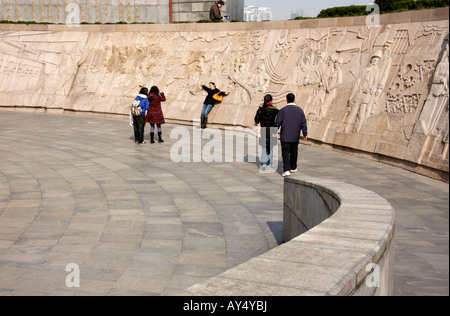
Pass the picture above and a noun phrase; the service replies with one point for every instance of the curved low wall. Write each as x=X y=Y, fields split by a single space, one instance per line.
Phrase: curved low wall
x=346 y=248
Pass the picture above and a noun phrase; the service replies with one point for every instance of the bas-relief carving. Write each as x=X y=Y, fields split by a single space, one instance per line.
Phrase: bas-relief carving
x=351 y=81
x=435 y=114
x=364 y=95
x=437 y=100
x=38 y=66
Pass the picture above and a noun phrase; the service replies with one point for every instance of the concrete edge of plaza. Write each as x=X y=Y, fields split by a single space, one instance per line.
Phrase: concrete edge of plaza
x=338 y=242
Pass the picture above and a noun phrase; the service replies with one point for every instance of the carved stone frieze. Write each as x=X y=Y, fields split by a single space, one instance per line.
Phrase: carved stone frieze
x=373 y=89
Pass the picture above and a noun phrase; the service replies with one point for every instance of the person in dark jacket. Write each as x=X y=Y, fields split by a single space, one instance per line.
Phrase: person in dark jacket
x=155 y=114
x=139 y=121
x=266 y=116
x=292 y=121
x=214 y=12
x=209 y=102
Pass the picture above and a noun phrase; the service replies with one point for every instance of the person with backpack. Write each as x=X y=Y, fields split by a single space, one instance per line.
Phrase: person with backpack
x=210 y=101
x=139 y=110
x=155 y=114
x=266 y=116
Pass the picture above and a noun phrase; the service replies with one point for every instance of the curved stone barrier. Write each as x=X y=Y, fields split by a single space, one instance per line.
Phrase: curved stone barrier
x=345 y=247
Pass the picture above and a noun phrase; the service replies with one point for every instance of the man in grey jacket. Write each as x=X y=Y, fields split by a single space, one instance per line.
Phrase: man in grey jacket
x=292 y=121
x=214 y=12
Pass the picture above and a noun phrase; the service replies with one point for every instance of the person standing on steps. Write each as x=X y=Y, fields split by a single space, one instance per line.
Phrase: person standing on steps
x=292 y=121
x=155 y=114
x=210 y=102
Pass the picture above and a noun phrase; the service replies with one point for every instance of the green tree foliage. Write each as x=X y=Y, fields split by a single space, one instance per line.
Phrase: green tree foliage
x=353 y=10
x=386 y=6
x=418 y=5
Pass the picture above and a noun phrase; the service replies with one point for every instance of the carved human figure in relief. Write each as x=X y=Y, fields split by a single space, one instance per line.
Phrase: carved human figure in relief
x=240 y=79
x=437 y=100
x=108 y=49
x=316 y=80
x=445 y=139
x=260 y=82
x=301 y=72
x=332 y=81
x=363 y=94
x=315 y=76
x=385 y=65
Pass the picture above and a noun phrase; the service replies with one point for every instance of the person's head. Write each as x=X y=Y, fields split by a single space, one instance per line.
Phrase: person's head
x=290 y=98
x=220 y=3
x=376 y=57
x=212 y=85
x=144 y=91
x=154 y=90
x=338 y=63
x=268 y=99
x=387 y=46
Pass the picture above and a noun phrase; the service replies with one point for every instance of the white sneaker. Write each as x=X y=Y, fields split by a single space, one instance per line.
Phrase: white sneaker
x=286 y=174
x=292 y=171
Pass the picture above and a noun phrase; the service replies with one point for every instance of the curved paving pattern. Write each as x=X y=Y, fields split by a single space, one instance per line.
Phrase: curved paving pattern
x=76 y=189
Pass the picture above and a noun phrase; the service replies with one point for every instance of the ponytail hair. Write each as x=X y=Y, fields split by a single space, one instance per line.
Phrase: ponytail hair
x=267 y=99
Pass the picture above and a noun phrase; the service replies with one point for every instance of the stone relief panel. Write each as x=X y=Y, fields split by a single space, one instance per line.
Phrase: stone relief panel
x=38 y=68
x=368 y=88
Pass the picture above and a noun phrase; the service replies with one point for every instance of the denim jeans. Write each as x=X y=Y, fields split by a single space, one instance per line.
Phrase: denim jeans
x=268 y=142
x=266 y=156
x=206 y=109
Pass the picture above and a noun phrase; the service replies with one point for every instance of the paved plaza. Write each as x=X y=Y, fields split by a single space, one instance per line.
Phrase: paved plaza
x=77 y=190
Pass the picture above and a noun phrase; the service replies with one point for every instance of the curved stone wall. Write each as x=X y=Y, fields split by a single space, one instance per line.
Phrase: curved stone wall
x=379 y=90
x=347 y=249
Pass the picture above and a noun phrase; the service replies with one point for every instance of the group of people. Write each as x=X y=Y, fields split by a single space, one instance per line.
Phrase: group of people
x=150 y=103
x=151 y=111
x=291 y=120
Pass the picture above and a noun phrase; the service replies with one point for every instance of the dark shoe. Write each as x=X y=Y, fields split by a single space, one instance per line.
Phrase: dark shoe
x=160 y=140
x=205 y=122
x=152 y=138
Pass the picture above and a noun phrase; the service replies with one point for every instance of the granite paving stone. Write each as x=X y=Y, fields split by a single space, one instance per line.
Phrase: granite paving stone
x=137 y=223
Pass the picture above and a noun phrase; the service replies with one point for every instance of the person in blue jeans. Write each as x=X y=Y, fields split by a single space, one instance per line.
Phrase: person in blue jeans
x=139 y=121
x=266 y=116
x=209 y=102
x=292 y=121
